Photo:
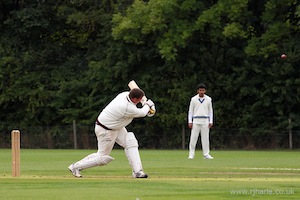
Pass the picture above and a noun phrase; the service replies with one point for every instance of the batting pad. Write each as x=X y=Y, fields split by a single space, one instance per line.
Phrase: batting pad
x=93 y=160
x=132 y=153
x=131 y=141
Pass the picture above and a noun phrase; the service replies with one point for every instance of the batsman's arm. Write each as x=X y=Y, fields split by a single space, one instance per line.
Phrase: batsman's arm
x=132 y=84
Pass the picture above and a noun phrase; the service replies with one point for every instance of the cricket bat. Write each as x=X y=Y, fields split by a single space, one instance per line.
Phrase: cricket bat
x=132 y=84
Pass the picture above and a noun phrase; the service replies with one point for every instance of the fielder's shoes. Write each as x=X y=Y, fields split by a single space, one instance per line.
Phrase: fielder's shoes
x=140 y=174
x=209 y=157
x=191 y=157
x=74 y=171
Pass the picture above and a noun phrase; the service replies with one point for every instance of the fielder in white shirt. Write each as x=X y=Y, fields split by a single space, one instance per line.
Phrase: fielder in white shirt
x=200 y=120
x=110 y=128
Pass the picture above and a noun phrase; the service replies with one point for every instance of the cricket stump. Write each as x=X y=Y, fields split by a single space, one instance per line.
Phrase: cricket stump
x=15 y=147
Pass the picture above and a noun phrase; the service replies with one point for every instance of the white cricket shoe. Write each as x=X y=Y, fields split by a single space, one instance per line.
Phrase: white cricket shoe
x=74 y=171
x=140 y=174
x=209 y=157
x=191 y=157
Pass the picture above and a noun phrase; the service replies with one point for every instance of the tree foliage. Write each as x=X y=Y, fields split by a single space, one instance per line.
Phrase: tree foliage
x=65 y=60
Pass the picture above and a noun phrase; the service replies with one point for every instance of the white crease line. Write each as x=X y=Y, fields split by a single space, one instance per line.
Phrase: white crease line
x=270 y=168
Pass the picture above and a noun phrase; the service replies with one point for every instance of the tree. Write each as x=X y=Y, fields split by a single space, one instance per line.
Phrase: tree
x=65 y=60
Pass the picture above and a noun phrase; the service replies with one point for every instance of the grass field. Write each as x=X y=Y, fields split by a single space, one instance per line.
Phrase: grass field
x=231 y=175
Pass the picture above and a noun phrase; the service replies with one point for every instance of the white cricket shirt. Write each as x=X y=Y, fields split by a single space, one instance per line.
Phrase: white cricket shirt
x=200 y=110
x=120 y=112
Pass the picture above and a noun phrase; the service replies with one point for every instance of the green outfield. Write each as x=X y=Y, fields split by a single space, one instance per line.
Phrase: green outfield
x=231 y=175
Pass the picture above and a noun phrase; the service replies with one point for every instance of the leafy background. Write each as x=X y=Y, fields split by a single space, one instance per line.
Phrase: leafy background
x=65 y=60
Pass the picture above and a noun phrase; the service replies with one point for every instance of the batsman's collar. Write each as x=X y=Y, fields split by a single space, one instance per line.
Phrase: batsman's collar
x=128 y=99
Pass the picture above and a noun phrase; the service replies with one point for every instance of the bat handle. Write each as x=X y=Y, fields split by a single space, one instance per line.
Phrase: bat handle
x=143 y=101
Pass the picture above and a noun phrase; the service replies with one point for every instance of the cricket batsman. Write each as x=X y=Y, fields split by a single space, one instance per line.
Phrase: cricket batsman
x=110 y=127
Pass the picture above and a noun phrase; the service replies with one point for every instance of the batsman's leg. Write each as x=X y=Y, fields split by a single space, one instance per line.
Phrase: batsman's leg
x=132 y=153
x=106 y=140
x=93 y=160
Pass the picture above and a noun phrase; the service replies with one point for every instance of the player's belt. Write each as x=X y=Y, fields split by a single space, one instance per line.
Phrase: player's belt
x=98 y=123
x=200 y=117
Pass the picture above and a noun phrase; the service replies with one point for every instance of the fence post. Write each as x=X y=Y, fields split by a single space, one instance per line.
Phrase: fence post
x=183 y=136
x=290 y=134
x=75 y=134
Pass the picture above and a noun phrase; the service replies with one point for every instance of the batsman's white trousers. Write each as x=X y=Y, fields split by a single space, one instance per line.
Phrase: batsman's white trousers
x=204 y=130
x=106 y=139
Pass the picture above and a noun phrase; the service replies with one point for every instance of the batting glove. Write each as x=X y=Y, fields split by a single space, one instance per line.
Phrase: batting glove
x=152 y=111
x=149 y=103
